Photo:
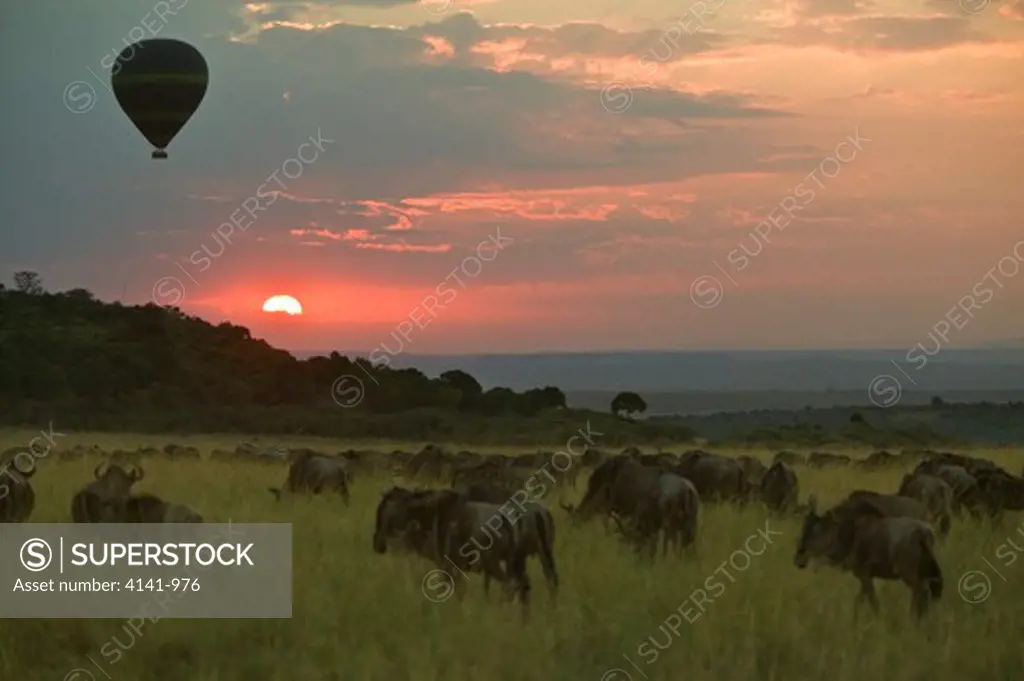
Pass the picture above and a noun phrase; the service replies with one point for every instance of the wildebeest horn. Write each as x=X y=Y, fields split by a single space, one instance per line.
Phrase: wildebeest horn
x=97 y=472
x=568 y=508
x=137 y=472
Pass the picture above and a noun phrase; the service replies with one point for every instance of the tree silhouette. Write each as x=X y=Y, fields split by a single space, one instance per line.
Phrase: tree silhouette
x=465 y=384
x=28 y=282
x=628 y=404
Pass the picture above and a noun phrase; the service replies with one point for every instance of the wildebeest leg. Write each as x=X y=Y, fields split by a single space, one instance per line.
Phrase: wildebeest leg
x=920 y=598
x=867 y=593
x=520 y=580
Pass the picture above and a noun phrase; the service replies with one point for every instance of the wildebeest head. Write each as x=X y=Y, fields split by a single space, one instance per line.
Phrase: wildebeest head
x=115 y=478
x=629 y=530
x=819 y=536
x=415 y=517
x=391 y=517
x=595 y=499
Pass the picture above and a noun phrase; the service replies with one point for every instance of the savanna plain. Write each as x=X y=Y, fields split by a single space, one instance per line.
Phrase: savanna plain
x=366 y=617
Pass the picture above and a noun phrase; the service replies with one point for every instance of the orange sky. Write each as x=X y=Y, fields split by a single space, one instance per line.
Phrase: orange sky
x=620 y=158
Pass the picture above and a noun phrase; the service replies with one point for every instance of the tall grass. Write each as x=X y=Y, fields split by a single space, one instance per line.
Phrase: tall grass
x=359 y=616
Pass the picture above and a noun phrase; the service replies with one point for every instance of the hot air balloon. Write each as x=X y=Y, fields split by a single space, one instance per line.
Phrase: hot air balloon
x=159 y=84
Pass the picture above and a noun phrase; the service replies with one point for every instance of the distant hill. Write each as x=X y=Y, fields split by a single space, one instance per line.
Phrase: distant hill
x=991 y=369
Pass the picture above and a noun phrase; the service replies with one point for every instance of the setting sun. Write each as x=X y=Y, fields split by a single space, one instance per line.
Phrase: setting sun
x=286 y=304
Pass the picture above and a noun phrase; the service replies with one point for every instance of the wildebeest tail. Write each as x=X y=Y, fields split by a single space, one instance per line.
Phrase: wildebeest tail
x=929 y=568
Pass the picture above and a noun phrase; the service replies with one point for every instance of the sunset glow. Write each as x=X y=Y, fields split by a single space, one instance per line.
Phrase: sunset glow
x=713 y=174
x=286 y=304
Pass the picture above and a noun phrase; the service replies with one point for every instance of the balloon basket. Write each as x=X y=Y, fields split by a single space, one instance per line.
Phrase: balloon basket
x=159 y=154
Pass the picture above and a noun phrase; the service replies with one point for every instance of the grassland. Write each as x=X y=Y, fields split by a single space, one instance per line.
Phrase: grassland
x=362 y=617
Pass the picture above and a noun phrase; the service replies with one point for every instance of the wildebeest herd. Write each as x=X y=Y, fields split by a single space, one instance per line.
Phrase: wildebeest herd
x=490 y=519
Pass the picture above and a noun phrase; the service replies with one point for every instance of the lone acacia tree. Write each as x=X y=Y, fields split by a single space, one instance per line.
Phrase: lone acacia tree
x=628 y=404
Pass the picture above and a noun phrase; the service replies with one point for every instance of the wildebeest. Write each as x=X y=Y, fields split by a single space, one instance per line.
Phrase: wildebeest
x=100 y=500
x=673 y=511
x=148 y=508
x=643 y=495
x=17 y=499
x=717 y=478
x=789 y=458
x=1000 y=491
x=753 y=468
x=856 y=536
x=316 y=473
x=971 y=464
x=932 y=491
x=822 y=459
x=779 y=488
x=878 y=459
x=535 y=522
x=448 y=529
x=892 y=505
x=966 y=493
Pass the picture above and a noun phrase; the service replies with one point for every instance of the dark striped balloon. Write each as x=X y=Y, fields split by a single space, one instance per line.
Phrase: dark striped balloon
x=159 y=83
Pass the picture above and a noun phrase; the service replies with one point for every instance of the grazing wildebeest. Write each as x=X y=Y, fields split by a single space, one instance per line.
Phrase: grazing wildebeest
x=100 y=501
x=17 y=499
x=856 y=536
x=932 y=491
x=646 y=495
x=316 y=473
x=789 y=458
x=779 y=488
x=822 y=459
x=535 y=522
x=879 y=459
x=966 y=493
x=971 y=464
x=892 y=505
x=753 y=468
x=717 y=478
x=1000 y=491
x=148 y=508
x=448 y=529
x=672 y=510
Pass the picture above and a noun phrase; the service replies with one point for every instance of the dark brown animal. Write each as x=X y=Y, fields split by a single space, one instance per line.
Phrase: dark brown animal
x=753 y=469
x=101 y=499
x=934 y=493
x=649 y=498
x=148 y=508
x=822 y=459
x=316 y=473
x=890 y=505
x=779 y=488
x=449 y=530
x=535 y=522
x=672 y=511
x=1000 y=491
x=879 y=459
x=966 y=493
x=789 y=458
x=717 y=478
x=857 y=537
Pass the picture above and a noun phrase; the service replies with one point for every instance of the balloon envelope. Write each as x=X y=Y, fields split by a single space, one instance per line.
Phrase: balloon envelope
x=159 y=84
